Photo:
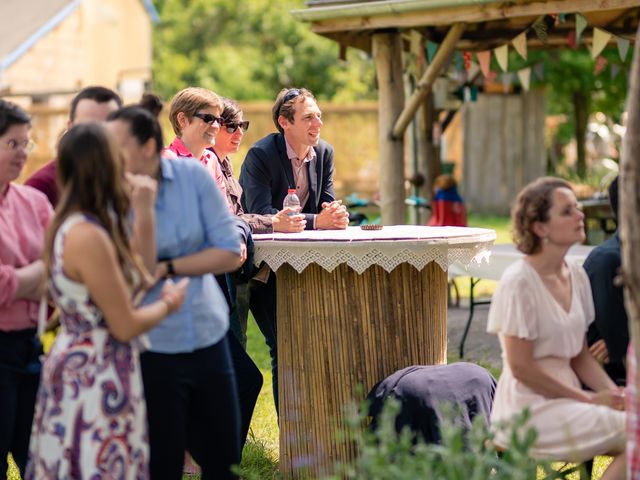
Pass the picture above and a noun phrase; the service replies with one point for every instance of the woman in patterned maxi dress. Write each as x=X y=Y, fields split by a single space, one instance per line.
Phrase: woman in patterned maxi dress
x=90 y=420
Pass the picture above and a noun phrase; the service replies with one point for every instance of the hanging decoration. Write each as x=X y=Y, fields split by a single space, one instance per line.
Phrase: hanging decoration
x=484 y=59
x=571 y=39
x=540 y=27
x=525 y=78
x=538 y=71
x=467 y=69
x=507 y=81
x=432 y=48
x=623 y=47
x=502 y=55
x=601 y=62
x=520 y=44
x=581 y=24
x=467 y=60
x=600 y=40
x=615 y=70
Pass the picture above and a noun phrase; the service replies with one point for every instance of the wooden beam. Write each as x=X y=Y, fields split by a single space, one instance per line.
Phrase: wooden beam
x=426 y=82
x=468 y=14
x=387 y=52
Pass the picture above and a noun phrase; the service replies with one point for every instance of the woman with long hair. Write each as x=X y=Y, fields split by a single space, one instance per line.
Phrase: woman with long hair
x=189 y=379
x=90 y=419
x=540 y=311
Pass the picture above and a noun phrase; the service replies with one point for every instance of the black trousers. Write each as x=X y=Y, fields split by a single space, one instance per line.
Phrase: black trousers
x=262 y=302
x=19 y=380
x=192 y=406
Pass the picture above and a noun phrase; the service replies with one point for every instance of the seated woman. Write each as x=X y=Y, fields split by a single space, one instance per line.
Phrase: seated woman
x=541 y=311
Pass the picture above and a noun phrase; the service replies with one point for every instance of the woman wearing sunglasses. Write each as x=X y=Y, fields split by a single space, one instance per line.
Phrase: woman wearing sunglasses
x=195 y=118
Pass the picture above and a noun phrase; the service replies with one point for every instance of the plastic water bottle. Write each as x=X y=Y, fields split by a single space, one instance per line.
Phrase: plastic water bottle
x=292 y=201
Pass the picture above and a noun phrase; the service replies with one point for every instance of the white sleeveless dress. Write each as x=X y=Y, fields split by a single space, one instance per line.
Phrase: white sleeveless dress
x=90 y=420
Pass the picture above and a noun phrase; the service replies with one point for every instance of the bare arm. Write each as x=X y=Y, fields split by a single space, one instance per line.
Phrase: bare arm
x=142 y=191
x=90 y=258
x=210 y=260
x=526 y=369
x=590 y=372
x=30 y=284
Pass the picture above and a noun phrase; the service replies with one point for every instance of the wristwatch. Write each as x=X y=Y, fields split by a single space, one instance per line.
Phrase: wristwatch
x=170 y=270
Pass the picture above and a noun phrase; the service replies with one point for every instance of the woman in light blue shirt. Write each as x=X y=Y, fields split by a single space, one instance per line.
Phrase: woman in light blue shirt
x=188 y=377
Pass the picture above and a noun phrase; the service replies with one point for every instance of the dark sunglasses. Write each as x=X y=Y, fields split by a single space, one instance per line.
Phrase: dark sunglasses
x=290 y=95
x=208 y=118
x=232 y=127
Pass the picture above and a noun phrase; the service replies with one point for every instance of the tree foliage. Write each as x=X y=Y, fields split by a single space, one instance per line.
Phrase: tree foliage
x=249 y=50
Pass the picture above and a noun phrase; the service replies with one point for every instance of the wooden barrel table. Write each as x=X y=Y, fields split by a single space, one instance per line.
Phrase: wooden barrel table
x=352 y=308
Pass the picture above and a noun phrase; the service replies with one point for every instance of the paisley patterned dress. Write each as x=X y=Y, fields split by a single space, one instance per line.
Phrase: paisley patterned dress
x=90 y=420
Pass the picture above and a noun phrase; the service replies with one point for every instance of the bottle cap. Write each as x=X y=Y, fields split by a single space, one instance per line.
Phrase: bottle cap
x=291 y=191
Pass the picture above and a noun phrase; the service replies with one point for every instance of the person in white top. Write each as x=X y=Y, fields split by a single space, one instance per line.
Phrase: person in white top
x=541 y=311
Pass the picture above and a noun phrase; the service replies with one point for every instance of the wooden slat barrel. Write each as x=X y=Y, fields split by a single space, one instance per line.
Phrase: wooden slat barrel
x=339 y=333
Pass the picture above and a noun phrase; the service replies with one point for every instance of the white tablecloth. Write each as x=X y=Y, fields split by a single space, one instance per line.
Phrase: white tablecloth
x=388 y=248
x=501 y=256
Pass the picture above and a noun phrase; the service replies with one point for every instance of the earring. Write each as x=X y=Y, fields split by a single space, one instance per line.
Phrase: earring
x=545 y=239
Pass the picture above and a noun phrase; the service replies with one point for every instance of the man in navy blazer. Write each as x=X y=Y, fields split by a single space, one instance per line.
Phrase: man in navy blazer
x=293 y=158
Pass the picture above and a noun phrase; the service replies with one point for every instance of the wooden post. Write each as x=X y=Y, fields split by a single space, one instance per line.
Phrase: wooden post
x=387 y=51
x=427 y=118
x=426 y=82
x=630 y=209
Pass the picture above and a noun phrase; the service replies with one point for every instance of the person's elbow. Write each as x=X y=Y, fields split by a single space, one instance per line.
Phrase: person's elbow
x=520 y=369
x=231 y=261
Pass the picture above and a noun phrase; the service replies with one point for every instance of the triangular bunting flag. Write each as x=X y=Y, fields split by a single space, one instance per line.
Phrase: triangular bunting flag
x=538 y=70
x=458 y=61
x=432 y=48
x=520 y=44
x=571 y=39
x=474 y=69
x=562 y=17
x=540 y=27
x=525 y=78
x=467 y=60
x=600 y=40
x=601 y=62
x=507 y=80
x=484 y=59
x=623 y=47
x=581 y=24
x=615 y=70
x=502 y=55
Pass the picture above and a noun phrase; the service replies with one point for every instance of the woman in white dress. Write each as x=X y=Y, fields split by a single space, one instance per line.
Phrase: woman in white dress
x=541 y=311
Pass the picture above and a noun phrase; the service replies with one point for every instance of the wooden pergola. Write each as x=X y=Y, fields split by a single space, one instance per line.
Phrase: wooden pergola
x=385 y=28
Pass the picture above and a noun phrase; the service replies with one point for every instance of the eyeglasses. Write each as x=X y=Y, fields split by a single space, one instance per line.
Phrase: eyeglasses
x=208 y=118
x=232 y=127
x=290 y=95
x=14 y=145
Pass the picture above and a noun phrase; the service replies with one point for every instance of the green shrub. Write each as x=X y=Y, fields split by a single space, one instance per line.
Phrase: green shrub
x=384 y=454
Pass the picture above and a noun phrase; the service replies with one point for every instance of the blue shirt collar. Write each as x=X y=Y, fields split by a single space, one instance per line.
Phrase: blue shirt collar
x=166 y=169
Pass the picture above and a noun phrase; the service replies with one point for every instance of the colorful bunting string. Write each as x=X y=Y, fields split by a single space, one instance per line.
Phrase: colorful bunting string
x=623 y=47
x=432 y=48
x=484 y=59
x=601 y=62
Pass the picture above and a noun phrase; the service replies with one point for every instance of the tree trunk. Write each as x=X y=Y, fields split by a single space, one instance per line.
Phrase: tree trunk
x=581 y=118
x=630 y=207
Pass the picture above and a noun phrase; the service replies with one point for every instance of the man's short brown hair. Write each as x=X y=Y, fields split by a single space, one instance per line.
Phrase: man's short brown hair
x=190 y=101
x=286 y=104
